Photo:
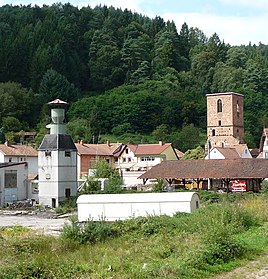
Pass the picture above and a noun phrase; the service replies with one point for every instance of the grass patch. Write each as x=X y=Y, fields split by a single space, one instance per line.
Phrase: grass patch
x=214 y=239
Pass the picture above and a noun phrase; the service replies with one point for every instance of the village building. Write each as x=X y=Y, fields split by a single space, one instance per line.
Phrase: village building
x=135 y=159
x=13 y=182
x=229 y=152
x=21 y=161
x=130 y=160
x=89 y=154
x=57 y=160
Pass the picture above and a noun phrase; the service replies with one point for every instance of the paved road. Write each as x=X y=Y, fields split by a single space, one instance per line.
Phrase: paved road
x=40 y=224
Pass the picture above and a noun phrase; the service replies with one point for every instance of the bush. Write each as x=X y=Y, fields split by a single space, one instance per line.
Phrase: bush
x=90 y=232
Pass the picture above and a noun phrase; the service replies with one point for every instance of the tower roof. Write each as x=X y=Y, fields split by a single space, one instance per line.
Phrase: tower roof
x=224 y=93
x=57 y=142
x=57 y=102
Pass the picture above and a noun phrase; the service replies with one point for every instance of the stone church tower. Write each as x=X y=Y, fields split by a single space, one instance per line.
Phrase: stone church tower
x=57 y=160
x=225 y=119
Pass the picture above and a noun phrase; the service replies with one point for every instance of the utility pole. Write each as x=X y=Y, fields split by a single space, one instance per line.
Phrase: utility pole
x=208 y=149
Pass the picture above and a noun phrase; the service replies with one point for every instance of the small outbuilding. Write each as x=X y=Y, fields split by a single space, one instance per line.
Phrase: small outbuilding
x=111 y=207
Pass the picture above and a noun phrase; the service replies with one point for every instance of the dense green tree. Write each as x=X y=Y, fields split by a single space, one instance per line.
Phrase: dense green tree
x=55 y=86
x=11 y=123
x=197 y=153
x=161 y=132
x=2 y=135
x=80 y=129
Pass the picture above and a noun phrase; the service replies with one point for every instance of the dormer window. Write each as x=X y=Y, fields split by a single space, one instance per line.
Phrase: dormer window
x=219 y=105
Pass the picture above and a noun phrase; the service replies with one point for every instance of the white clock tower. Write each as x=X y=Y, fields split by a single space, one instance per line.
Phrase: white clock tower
x=57 y=160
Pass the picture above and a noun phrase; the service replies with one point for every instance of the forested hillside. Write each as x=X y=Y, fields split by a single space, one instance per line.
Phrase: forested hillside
x=122 y=73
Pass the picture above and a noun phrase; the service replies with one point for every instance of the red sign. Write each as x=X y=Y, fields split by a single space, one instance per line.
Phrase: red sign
x=239 y=185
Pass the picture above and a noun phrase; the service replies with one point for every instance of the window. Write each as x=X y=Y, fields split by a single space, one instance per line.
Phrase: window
x=126 y=151
x=124 y=159
x=219 y=122
x=67 y=153
x=213 y=133
x=10 y=160
x=67 y=192
x=129 y=159
x=48 y=153
x=219 y=106
x=11 y=179
x=147 y=158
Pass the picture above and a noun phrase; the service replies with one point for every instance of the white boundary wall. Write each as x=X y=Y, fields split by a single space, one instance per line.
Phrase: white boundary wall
x=111 y=207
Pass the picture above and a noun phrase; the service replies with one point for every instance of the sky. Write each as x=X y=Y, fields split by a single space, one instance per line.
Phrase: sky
x=237 y=22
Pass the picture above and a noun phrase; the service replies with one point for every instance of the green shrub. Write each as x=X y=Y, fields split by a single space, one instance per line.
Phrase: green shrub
x=72 y=231
x=90 y=232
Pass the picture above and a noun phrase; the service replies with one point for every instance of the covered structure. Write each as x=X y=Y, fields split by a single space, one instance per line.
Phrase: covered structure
x=250 y=169
x=111 y=207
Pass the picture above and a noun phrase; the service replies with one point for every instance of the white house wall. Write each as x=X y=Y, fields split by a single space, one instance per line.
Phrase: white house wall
x=2 y=158
x=21 y=191
x=215 y=154
x=56 y=174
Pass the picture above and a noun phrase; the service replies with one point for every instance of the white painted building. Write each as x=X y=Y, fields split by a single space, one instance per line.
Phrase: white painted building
x=17 y=153
x=57 y=160
x=229 y=152
x=111 y=207
x=13 y=182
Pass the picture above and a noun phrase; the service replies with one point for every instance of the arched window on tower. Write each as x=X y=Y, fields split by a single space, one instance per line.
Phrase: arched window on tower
x=219 y=105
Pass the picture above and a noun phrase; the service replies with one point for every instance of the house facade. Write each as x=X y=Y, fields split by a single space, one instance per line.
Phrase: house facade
x=229 y=152
x=130 y=160
x=134 y=160
x=142 y=157
x=89 y=154
x=11 y=153
x=13 y=182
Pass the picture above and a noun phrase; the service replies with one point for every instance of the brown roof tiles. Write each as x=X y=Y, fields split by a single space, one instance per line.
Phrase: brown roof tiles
x=228 y=168
x=18 y=150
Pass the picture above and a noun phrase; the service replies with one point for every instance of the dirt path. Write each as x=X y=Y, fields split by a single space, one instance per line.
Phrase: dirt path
x=257 y=269
x=42 y=224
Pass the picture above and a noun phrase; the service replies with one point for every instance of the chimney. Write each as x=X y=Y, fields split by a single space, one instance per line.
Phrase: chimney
x=7 y=143
x=81 y=142
x=161 y=142
x=108 y=143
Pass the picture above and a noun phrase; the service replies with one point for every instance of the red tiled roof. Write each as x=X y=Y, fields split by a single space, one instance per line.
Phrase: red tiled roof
x=179 y=153
x=228 y=168
x=228 y=153
x=18 y=150
x=148 y=149
x=96 y=149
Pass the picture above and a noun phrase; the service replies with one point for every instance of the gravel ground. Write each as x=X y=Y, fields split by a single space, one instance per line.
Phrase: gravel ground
x=43 y=223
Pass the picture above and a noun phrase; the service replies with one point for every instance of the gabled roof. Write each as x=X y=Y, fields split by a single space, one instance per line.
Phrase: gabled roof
x=179 y=153
x=148 y=149
x=264 y=135
x=228 y=153
x=193 y=169
x=239 y=148
x=17 y=150
x=106 y=149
